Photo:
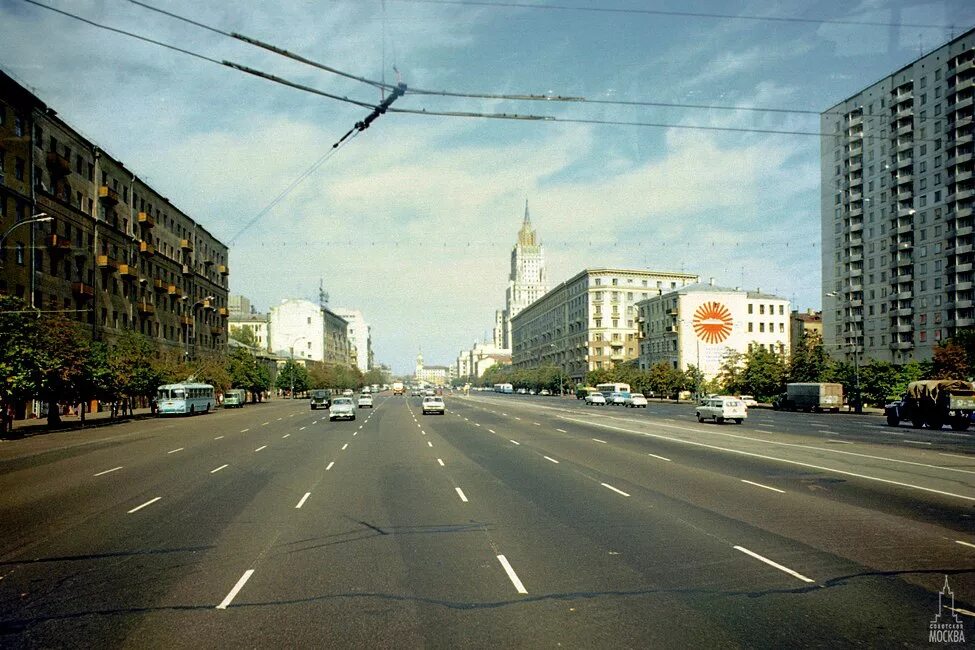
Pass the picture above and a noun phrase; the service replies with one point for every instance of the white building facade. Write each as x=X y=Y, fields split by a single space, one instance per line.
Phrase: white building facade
x=359 y=335
x=258 y=324
x=701 y=324
x=298 y=326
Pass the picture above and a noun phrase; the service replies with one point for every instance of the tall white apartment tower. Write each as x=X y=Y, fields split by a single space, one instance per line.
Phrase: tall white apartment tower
x=527 y=280
x=897 y=195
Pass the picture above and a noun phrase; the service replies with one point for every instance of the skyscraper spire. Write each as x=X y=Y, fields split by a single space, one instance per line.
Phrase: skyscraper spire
x=527 y=218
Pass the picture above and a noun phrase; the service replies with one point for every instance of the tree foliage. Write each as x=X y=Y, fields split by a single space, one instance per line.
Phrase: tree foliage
x=292 y=376
x=950 y=361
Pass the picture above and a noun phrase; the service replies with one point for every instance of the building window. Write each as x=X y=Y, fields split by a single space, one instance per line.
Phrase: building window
x=20 y=254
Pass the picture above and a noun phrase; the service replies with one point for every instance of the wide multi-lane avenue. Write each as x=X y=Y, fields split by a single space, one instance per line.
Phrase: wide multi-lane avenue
x=509 y=521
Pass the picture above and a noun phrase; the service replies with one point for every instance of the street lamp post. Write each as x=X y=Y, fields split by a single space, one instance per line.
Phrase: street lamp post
x=36 y=218
x=193 y=316
x=858 y=403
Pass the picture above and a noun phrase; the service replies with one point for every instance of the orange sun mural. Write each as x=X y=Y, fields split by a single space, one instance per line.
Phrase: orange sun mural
x=712 y=322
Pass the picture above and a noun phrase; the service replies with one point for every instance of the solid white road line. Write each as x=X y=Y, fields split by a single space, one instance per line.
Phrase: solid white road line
x=536 y=424
x=829 y=433
x=214 y=471
x=971 y=458
x=440 y=460
x=778 y=566
x=244 y=430
x=602 y=441
x=264 y=424
x=173 y=451
x=515 y=442
x=461 y=494
x=237 y=587
x=797 y=463
x=429 y=444
x=330 y=466
x=517 y=418
x=218 y=437
x=660 y=457
x=763 y=486
x=476 y=424
x=301 y=428
x=767 y=426
x=561 y=430
x=839 y=442
x=607 y=485
x=958 y=541
x=423 y=432
x=303 y=499
x=285 y=435
x=345 y=446
x=551 y=460
x=492 y=430
x=261 y=447
x=108 y=471
x=314 y=421
x=917 y=442
x=147 y=503
x=512 y=575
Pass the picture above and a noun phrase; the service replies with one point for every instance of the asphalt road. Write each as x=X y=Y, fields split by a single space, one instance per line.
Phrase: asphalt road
x=510 y=521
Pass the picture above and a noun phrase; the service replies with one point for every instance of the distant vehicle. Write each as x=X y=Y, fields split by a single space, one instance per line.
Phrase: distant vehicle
x=348 y=392
x=545 y=391
x=582 y=391
x=366 y=390
x=234 y=398
x=522 y=391
x=375 y=388
x=749 y=400
x=608 y=389
x=398 y=388
x=183 y=398
x=810 y=397
x=636 y=401
x=934 y=403
x=433 y=404
x=503 y=388
x=320 y=398
x=595 y=399
x=619 y=398
x=365 y=400
x=721 y=409
x=429 y=392
x=341 y=408
x=531 y=391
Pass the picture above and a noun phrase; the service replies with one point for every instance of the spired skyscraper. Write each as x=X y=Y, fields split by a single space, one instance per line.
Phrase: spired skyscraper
x=526 y=282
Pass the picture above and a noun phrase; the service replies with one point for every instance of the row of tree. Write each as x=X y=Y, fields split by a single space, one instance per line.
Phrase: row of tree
x=764 y=374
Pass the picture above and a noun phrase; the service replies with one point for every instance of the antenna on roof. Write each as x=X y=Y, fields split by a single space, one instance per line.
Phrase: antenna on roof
x=322 y=294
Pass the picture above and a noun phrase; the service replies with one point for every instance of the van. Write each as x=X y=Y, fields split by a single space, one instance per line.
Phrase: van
x=721 y=409
x=320 y=399
x=234 y=398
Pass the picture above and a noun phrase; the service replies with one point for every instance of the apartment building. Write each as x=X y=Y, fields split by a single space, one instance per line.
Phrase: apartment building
x=115 y=254
x=589 y=321
x=359 y=335
x=258 y=324
x=702 y=324
x=898 y=242
x=805 y=324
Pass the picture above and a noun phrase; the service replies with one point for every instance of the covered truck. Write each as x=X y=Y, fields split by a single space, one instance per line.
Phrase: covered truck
x=810 y=397
x=935 y=403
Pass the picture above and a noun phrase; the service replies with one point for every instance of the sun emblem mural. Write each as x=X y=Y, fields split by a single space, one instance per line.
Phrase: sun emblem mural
x=712 y=322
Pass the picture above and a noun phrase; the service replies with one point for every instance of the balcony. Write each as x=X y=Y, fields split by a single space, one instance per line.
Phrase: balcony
x=902 y=262
x=57 y=243
x=146 y=308
x=216 y=330
x=962 y=249
x=902 y=179
x=905 y=196
x=145 y=219
x=905 y=230
x=905 y=277
x=147 y=249
x=903 y=295
x=103 y=262
x=207 y=305
x=963 y=304
x=904 y=311
x=186 y=320
x=857 y=182
x=963 y=322
x=906 y=145
x=127 y=271
x=904 y=130
x=901 y=345
x=902 y=95
x=903 y=111
x=173 y=290
x=223 y=312
x=856 y=227
x=856 y=211
x=186 y=245
x=58 y=165
x=187 y=269
x=82 y=290
x=222 y=269
x=108 y=195
x=159 y=285
x=903 y=329
x=959 y=158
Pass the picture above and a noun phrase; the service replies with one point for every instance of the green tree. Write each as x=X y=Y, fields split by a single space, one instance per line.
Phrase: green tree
x=18 y=351
x=764 y=374
x=291 y=371
x=244 y=335
x=731 y=373
x=62 y=353
x=245 y=372
x=809 y=361
x=132 y=362
x=211 y=369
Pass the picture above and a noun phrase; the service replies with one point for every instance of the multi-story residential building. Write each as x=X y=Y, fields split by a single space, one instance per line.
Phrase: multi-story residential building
x=526 y=281
x=359 y=335
x=701 y=324
x=238 y=305
x=116 y=254
x=808 y=323
x=463 y=364
x=897 y=200
x=337 y=347
x=589 y=321
x=258 y=324
x=297 y=328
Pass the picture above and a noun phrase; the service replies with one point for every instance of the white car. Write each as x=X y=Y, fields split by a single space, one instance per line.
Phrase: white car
x=342 y=407
x=595 y=399
x=347 y=392
x=617 y=399
x=721 y=409
x=545 y=391
x=433 y=404
x=636 y=400
x=364 y=401
x=749 y=400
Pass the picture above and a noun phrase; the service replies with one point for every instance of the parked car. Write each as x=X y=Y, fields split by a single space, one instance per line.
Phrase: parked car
x=721 y=409
x=320 y=399
x=749 y=400
x=545 y=391
x=433 y=404
x=618 y=399
x=595 y=399
x=522 y=391
x=636 y=400
x=341 y=408
x=364 y=401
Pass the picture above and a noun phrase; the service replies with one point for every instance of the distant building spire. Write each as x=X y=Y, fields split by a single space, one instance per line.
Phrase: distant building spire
x=528 y=220
x=526 y=236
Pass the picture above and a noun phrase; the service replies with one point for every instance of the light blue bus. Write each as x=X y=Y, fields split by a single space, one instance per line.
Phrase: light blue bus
x=180 y=399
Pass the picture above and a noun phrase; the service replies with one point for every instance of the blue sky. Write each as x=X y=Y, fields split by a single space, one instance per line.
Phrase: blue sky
x=413 y=221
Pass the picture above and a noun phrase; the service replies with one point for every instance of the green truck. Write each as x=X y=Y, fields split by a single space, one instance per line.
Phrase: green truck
x=934 y=403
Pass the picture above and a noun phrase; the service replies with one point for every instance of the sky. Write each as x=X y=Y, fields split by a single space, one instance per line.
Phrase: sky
x=413 y=220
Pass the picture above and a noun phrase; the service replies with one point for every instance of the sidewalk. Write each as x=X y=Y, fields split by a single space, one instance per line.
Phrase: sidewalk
x=35 y=426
